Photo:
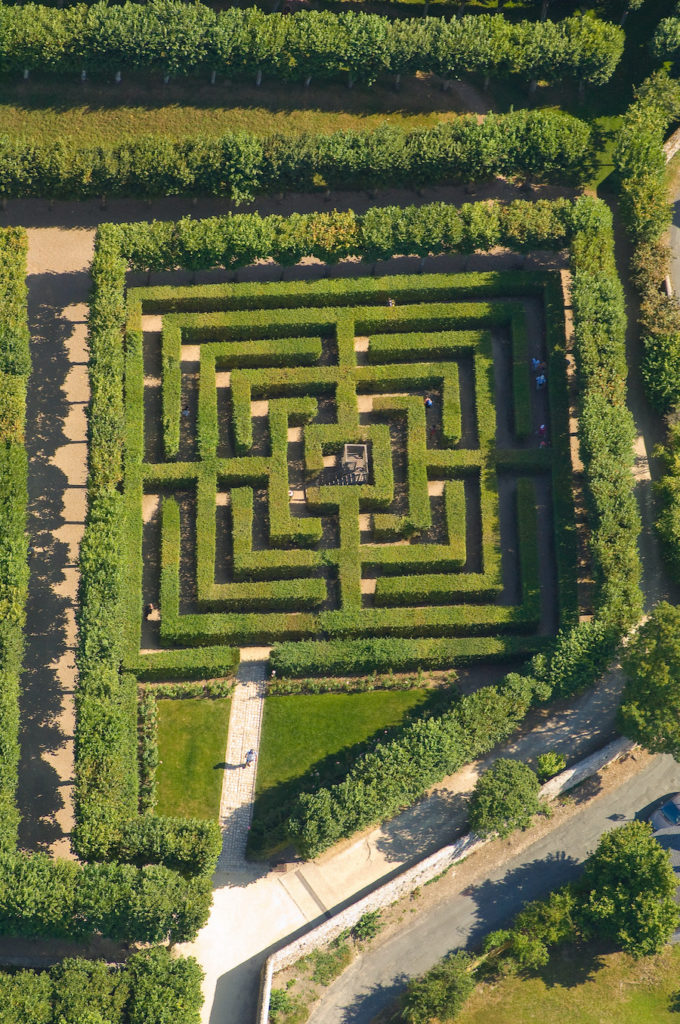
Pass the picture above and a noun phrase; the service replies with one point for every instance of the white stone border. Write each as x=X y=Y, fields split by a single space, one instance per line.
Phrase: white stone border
x=424 y=871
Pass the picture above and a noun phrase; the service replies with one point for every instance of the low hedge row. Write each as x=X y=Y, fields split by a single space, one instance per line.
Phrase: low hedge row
x=15 y=367
x=398 y=772
x=543 y=145
x=58 y=898
x=381 y=232
x=177 y=39
x=152 y=987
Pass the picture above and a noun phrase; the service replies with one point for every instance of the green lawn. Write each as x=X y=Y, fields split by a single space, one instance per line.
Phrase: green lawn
x=97 y=113
x=576 y=988
x=312 y=741
x=192 y=739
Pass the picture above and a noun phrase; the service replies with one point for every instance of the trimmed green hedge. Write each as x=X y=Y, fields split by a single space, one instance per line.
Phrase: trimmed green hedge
x=544 y=145
x=59 y=898
x=641 y=164
x=176 y=39
x=15 y=367
x=151 y=987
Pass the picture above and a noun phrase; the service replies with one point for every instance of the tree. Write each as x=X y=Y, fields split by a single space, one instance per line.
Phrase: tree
x=440 y=993
x=650 y=709
x=504 y=798
x=629 y=889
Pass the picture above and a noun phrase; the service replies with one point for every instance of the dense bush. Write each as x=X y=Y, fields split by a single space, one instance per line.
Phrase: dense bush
x=628 y=891
x=505 y=797
x=650 y=708
x=176 y=39
x=641 y=164
x=152 y=987
x=44 y=897
x=441 y=993
x=15 y=366
x=543 y=145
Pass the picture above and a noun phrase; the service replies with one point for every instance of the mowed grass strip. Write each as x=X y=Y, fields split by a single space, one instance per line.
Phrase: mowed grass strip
x=298 y=732
x=577 y=987
x=93 y=114
x=192 y=739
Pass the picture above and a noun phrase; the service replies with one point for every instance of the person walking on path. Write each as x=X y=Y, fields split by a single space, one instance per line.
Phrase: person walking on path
x=251 y=758
x=540 y=381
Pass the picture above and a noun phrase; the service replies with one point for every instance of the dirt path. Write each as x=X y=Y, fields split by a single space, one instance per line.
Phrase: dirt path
x=58 y=286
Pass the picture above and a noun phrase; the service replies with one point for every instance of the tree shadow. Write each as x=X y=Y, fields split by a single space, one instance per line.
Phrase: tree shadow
x=51 y=605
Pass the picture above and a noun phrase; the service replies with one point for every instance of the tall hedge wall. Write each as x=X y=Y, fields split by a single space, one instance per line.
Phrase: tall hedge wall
x=151 y=987
x=542 y=144
x=173 y=38
x=641 y=164
x=15 y=367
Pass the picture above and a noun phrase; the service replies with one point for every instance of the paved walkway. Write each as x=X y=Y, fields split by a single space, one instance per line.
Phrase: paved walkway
x=238 y=787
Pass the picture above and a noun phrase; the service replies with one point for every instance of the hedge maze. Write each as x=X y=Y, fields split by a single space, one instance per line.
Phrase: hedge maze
x=246 y=527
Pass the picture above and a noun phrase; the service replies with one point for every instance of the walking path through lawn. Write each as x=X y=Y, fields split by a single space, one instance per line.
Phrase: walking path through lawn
x=238 y=787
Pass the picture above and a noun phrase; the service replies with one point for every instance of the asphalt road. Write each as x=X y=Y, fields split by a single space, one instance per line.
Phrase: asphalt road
x=379 y=975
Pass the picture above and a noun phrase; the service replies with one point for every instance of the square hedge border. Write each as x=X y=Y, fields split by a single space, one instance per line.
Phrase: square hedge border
x=106 y=790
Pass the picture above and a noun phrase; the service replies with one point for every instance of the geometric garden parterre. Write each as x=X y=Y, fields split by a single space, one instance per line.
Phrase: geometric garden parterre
x=263 y=538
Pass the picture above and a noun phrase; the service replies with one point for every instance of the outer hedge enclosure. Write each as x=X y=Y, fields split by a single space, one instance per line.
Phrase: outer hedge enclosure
x=543 y=145
x=177 y=39
x=403 y=768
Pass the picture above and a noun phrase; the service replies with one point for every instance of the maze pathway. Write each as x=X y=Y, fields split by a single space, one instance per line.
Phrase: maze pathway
x=238 y=788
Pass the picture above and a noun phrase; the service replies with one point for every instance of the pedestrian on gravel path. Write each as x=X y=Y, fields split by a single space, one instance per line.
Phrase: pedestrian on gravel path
x=251 y=758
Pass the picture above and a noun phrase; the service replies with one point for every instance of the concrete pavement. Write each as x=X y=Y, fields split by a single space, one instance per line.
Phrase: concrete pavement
x=375 y=979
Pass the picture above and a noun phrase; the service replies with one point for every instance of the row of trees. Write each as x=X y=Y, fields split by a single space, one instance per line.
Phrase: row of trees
x=543 y=145
x=152 y=987
x=178 y=39
x=15 y=367
x=624 y=897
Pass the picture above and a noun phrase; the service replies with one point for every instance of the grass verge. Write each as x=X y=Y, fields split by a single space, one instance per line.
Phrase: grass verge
x=582 y=986
x=192 y=739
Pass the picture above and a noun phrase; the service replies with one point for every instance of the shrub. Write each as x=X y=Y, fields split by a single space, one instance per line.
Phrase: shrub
x=650 y=706
x=549 y=764
x=504 y=798
x=441 y=993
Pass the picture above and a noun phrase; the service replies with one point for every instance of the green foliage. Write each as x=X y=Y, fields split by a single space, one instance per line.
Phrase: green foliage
x=628 y=890
x=504 y=798
x=650 y=708
x=44 y=897
x=152 y=987
x=172 y=38
x=441 y=993
x=327 y=964
x=368 y=926
x=550 y=763
x=15 y=367
x=544 y=145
